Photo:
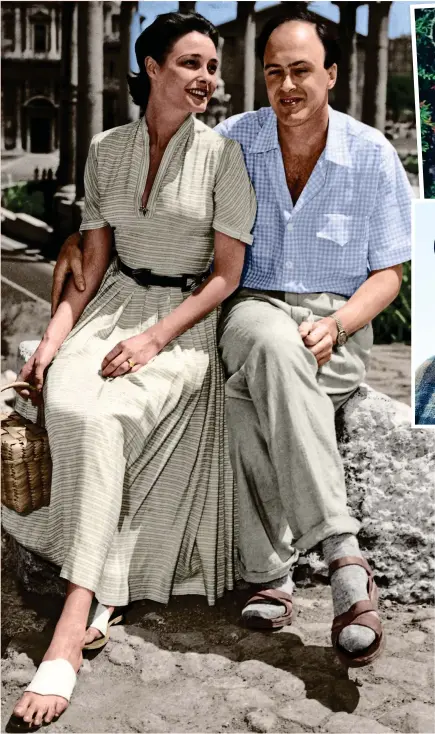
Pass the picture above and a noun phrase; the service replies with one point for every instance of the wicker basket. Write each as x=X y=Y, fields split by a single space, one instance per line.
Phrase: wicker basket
x=25 y=462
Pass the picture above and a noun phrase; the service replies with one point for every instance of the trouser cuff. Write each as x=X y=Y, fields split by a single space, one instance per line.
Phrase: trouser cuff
x=262 y=577
x=332 y=526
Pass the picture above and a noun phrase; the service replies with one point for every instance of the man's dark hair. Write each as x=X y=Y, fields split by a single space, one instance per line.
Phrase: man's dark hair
x=324 y=31
x=157 y=41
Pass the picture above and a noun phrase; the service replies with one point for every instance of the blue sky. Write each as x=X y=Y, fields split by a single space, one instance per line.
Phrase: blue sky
x=423 y=332
x=223 y=10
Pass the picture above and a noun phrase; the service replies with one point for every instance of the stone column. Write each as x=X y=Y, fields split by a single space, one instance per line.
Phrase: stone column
x=18 y=44
x=90 y=85
x=245 y=11
x=186 y=7
x=376 y=66
x=18 y=141
x=68 y=99
x=53 y=33
x=127 y=110
x=346 y=89
x=28 y=31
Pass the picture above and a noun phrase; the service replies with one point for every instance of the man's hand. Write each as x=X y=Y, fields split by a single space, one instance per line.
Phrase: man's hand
x=69 y=261
x=319 y=337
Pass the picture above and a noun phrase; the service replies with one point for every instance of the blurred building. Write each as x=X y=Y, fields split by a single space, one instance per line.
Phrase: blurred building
x=31 y=73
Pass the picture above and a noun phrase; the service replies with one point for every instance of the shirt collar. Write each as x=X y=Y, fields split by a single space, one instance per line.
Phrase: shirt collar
x=336 y=149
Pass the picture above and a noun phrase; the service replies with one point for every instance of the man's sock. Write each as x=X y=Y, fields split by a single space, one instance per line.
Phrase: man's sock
x=269 y=610
x=349 y=585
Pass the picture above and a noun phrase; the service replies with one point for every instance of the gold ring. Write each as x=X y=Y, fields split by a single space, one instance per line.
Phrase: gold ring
x=131 y=363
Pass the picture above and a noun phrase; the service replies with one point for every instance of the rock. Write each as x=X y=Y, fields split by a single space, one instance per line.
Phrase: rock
x=247 y=698
x=401 y=670
x=307 y=712
x=19 y=676
x=148 y=722
x=256 y=669
x=158 y=666
x=424 y=613
x=343 y=723
x=290 y=686
x=415 y=717
x=261 y=721
x=86 y=667
x=118 y=633
x=390 y=475
x=229 y=682
x=122 y=655
x=428 y=625
x=187 y=640
x=415 y=637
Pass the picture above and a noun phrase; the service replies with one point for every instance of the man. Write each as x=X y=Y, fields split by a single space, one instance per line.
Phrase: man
x=425 y=393
x=332 y=229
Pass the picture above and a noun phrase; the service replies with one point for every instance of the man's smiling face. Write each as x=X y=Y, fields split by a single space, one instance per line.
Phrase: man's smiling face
x=296 y=79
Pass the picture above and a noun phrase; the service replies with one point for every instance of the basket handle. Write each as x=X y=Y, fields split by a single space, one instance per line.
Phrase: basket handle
x=18 y=383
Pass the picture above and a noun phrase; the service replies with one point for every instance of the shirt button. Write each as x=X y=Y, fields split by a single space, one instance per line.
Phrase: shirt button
x=289 y=264
x=290 y=226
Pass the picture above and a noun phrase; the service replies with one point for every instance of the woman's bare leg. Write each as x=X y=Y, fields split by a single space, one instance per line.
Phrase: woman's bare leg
x=67 y=643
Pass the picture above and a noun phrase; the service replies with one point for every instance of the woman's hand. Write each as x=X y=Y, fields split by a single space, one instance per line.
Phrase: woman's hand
x=33 y=371
x=139 y=349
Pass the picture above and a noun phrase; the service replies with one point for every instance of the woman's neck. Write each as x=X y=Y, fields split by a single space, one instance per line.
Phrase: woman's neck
x=162 y=124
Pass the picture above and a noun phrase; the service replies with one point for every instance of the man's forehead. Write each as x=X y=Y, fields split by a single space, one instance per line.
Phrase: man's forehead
x=296 y=38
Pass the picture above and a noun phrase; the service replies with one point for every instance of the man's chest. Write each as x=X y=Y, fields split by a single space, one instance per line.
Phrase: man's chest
x=298 y=170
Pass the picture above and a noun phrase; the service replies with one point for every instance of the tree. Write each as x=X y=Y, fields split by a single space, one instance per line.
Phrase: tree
x=424 y=29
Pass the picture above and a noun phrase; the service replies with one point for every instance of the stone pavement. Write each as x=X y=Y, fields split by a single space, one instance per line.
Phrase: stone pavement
x=190 y=668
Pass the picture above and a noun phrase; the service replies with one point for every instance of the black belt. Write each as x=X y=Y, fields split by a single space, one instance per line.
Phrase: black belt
x=146 y=277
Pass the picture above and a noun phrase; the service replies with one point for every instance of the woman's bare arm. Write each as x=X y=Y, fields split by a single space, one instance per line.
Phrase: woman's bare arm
x=229 y=255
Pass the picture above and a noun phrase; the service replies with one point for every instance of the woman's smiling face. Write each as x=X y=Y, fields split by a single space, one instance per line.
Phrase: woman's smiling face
x=187 y=78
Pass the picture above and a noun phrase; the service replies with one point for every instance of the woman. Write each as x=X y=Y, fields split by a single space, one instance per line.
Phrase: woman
x=142 y=490
x=425 y=394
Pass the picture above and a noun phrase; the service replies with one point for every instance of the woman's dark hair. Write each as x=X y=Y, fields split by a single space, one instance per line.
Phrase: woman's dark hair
x=157 y=41
x=324 y=31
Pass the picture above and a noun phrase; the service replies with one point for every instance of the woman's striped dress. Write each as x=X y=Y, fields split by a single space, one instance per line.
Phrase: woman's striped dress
x=142 y=502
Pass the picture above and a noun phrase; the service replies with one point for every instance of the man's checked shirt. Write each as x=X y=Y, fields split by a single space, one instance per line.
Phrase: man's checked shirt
x=425 y=394
x=353 y=216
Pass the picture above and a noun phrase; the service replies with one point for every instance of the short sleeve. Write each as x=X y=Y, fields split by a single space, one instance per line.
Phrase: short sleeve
x=235 y=205
x=390 y=222
x=92 y=217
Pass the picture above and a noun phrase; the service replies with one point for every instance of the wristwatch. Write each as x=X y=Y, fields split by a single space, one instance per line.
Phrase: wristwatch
x=342 y=335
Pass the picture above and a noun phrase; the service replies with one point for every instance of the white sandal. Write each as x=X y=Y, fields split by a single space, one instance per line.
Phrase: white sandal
x=101 y=619
x=54 y=678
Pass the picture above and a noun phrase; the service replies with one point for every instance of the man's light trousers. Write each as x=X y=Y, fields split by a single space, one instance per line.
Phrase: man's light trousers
x=280 y=411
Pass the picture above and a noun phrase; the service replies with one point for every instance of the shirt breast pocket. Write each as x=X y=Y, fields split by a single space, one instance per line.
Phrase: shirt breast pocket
x=337 y=228
x=343 y=241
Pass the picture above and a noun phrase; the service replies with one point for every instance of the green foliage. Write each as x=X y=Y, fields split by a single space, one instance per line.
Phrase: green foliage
x=400 y=95
x=394 y=324
x=425 y=28
x=18 y=199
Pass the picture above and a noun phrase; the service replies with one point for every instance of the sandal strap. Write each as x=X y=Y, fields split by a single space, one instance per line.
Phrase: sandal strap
x=358 y=613
x=54 y=678
x=271 y=595
x=350 y=561
x=99 y=618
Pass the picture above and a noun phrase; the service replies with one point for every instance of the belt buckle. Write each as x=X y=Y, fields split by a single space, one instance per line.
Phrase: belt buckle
x=189 y=286
x=135 y=274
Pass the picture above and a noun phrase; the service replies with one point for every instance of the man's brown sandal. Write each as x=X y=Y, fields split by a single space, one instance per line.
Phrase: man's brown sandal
x=271 y=596
x=359 y=613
